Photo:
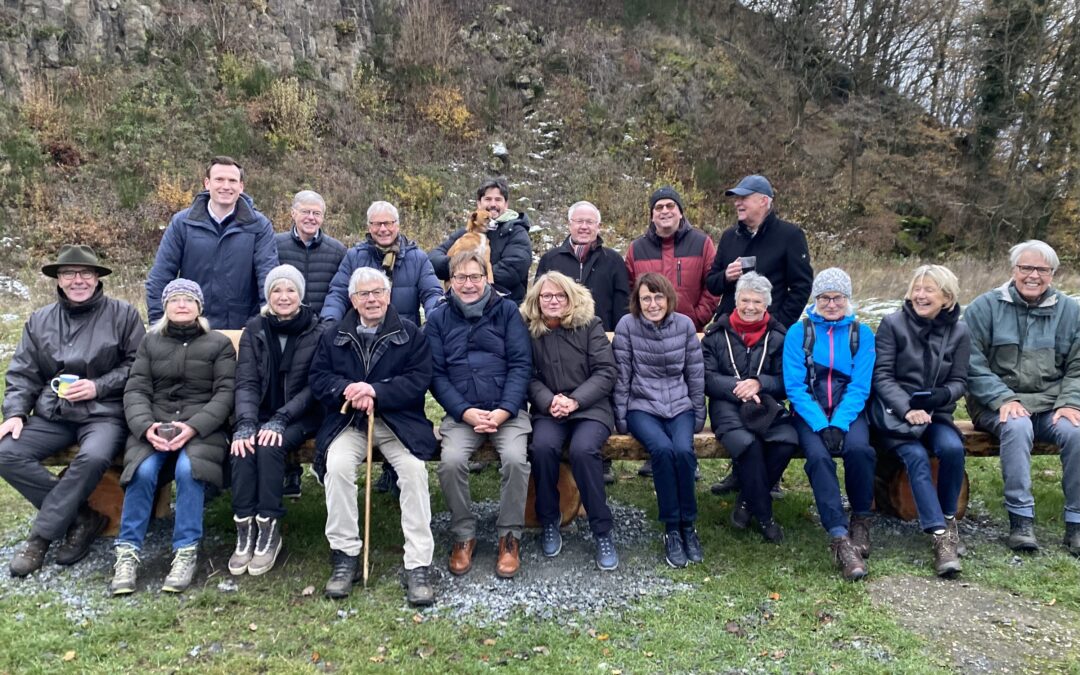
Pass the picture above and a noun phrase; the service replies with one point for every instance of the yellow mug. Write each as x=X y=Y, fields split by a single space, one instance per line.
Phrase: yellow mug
x=60 y=384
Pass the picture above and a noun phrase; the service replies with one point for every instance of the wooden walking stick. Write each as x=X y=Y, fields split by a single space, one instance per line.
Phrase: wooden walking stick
x=367 y=491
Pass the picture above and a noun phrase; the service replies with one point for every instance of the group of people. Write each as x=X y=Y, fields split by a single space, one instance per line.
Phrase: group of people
x=341 y=342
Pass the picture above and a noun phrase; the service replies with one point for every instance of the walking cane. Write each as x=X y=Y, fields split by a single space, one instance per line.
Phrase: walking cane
x=367 y=491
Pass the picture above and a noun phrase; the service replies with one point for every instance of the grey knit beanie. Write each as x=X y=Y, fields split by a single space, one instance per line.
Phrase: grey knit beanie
x=834 y=280
x=284 y=272
x=183 y=287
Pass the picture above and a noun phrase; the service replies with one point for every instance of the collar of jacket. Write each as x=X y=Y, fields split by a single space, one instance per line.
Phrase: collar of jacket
x=647 y=323
x=845 y=320
x=493 y=299
x=92 y=303
x=200 y=214
x=404 y=245
x=391 y=326
x=724 y=322
x=507 y=226
x=315 y=241
x=568 y=247
x=680 y=232
x=744 y=231
x=1008 y=293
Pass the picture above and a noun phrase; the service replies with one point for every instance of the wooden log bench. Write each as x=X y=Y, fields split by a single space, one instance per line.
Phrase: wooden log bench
x=892 y=492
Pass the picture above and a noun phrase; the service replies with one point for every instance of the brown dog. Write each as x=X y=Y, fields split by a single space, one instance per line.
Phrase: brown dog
x=475 y=239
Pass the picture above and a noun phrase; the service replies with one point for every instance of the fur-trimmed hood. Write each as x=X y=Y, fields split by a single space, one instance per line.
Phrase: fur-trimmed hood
x=584 y=311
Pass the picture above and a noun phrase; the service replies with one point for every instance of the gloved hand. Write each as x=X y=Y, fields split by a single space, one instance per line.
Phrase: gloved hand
x=939 y=398
x=833 y=438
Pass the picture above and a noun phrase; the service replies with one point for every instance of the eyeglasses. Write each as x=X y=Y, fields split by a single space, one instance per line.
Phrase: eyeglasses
x=310 y=212
x=548 y=297
x=381 y=223
x=831 y=299
x=1026 y=270
x=85 y=275
x=471 y=278
x=657 y=299
x=665 y=206
x=588 y=222
x=364 y=295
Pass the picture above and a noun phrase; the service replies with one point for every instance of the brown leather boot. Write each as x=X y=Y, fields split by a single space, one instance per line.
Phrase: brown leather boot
x=509 y=560
x=847 y=558
x=461 y=556
x=859 y=531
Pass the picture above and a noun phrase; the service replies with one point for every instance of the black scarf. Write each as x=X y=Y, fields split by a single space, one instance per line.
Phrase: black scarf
x=281 y=359
x=925 y=328
x=185 y=332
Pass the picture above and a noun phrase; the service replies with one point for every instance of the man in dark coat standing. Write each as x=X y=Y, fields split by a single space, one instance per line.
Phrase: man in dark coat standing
x=508 y=236
x=776 y=249
x=221 y=242
x=583 y=257
x=65 y=385
x=308 y=248
x=375 y=363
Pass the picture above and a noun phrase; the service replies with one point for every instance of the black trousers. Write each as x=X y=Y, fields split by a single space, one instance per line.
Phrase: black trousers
x=586 y=463
x=58 y=499
x=257 y=478
x=758 y=465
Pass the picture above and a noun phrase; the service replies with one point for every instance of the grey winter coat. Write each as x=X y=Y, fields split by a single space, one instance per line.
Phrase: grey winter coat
x=96 y=340
x=661 y=369
x=317 y=262
x=186 y=381
x=574 y=360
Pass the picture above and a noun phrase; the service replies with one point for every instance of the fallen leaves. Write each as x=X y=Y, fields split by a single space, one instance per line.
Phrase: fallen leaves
x=308 y=591
x=253 y=627
x=774 y=596
x=488 y=642
x=69 y=655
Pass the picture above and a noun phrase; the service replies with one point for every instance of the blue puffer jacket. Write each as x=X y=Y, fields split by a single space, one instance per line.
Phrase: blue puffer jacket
x=842 y=381
x=230 y=267
x=414 y=280
x=399 y=371
x=481 y=363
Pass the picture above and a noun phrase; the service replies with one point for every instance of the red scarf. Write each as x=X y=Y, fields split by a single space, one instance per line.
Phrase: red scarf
x=749 y=333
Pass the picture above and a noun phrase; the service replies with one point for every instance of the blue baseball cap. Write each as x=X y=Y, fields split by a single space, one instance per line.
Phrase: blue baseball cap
x=750 y=185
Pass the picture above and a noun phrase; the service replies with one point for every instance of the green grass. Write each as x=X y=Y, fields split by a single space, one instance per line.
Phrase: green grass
x=752 y=606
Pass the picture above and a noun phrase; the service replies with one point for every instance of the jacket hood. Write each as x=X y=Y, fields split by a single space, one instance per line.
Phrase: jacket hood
x=582 y=316
x=516 y=220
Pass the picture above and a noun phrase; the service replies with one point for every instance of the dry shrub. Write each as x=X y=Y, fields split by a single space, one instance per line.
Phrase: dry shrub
x=42 y=109
x=445 y=108
x=419 y=197
x=369 y=92
x=428 y=36
x=169 y=196
x=288 y=115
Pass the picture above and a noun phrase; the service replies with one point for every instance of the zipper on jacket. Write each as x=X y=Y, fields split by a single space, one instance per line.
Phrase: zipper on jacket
x=678 y=270
x=828 y=380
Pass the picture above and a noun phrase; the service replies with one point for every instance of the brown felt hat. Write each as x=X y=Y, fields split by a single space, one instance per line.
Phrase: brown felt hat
x=75 y=254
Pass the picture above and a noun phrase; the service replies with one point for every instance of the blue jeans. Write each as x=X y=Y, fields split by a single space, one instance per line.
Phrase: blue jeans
x=859 y=461
x=139 y=502
x=933 y=503
x=670 y=444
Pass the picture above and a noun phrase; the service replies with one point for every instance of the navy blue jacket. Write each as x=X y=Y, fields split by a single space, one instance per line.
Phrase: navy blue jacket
x=229 y=267
x=414 y=281
x=483 y=363
x=318 y=263
x=400 y=372
x=511 y=256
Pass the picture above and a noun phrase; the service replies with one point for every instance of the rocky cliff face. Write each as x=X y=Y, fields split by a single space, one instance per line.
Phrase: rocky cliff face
x=329 y=35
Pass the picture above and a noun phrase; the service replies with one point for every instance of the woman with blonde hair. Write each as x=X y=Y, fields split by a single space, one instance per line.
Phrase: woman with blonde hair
x=570 y=398
x=923 y=352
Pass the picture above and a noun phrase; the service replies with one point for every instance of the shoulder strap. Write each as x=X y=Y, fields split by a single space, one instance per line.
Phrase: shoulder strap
x=853 y=338
x=808 y=353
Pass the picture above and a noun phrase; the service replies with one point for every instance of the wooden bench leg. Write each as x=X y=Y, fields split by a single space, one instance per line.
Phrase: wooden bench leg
x=892 y=490
x=569 y=498
x=108 y=500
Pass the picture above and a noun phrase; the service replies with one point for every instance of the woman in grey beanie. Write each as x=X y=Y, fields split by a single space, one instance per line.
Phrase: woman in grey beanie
x=275 y=413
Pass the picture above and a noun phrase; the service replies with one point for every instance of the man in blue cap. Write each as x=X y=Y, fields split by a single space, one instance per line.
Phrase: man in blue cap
x=763 y=243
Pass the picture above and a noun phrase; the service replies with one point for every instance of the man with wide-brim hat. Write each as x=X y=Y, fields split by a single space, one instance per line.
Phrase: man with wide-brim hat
x=65 y=386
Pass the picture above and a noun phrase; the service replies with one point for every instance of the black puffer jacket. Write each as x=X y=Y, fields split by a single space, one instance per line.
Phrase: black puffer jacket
x=511 y=256
x=96 y=340
x=187 y=381
x=910 y=350
x=317 y=263
x=603 y=273
x=252 y=365
x=720 y=377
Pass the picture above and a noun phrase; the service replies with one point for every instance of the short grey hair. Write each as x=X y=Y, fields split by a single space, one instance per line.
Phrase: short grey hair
x=365 y=275
x=464 y=258
x=1035 y=246
x=754 y=282
x=583 y=205
x=382 y=207
x=308 y=197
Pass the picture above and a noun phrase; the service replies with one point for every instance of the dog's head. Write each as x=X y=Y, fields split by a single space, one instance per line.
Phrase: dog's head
x=478 y=222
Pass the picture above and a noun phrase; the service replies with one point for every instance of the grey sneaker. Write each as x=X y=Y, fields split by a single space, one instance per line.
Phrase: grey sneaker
x=182 y=571
x=267 y=546
x=245 y=545
x=607 y=558
x=419 y=592
x=551 y=540
x=125 y=570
